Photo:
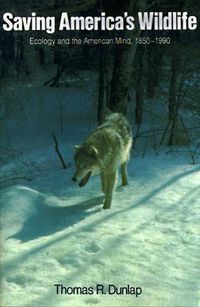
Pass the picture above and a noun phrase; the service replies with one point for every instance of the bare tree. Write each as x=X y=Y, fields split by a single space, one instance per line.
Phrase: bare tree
x=123 y=64
x=139 y=87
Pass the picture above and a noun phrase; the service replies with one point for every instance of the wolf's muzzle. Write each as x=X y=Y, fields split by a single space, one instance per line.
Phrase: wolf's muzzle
x=85 y=179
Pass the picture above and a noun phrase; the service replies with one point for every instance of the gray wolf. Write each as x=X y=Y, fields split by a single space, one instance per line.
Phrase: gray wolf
x=103 y=152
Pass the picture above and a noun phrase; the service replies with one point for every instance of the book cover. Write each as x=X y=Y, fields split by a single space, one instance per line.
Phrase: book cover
x=100 y=153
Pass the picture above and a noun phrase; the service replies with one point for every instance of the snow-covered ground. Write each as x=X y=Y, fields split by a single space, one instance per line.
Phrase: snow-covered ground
x=53 y=232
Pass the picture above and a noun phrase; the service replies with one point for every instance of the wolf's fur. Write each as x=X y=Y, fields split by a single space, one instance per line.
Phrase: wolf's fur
x=103 y=152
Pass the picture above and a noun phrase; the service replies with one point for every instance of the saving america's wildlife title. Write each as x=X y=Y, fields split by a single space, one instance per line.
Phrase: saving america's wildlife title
x=145 y=20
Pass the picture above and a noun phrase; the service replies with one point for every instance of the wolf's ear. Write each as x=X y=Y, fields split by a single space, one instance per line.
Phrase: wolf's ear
x=76 y=147
x=94 y=152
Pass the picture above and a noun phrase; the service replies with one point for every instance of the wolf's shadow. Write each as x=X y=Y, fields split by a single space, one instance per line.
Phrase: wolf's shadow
x=48 y=220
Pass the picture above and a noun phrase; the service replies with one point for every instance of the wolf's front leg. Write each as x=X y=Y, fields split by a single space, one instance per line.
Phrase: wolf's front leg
x=103 y=182
x=110 y=183
x=124 y=174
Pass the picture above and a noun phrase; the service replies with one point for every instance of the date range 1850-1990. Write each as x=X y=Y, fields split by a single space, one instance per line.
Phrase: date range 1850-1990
x=162 y=40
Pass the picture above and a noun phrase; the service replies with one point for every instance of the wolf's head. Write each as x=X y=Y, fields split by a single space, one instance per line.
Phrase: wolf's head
x=86 y=160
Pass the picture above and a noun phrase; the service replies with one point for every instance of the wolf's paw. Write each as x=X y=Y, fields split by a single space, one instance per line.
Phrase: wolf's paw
x=121 y=188
x=105 y=206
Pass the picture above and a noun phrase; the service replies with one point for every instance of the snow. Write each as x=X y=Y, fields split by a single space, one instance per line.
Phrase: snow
x=54 y=232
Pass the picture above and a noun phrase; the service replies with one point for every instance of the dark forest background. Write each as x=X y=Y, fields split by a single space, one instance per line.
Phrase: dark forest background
x=137 y=74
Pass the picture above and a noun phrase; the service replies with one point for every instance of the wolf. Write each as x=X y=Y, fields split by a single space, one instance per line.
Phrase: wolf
x=103 y=152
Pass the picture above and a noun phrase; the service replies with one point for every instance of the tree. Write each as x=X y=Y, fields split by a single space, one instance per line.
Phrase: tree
x=139 y=86
x=123 y=63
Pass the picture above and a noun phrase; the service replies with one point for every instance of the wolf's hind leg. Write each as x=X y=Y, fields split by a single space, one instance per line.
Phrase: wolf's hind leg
x=103 y=182
x=110 y=183
x=124 y=174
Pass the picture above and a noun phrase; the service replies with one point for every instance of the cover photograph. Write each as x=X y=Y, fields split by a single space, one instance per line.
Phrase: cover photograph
x=99 y=153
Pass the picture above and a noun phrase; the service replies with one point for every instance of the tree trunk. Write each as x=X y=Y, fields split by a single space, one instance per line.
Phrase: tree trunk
x=150 y=72
x=123 y=62
x=41 y=55
x=173 y=105
x=139 y=85
x=154 y=65
x=101 y=99
x=55 y=80
x=19 y=53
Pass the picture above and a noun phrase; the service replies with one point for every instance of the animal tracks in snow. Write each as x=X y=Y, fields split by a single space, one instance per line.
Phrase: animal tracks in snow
x=92 y=248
